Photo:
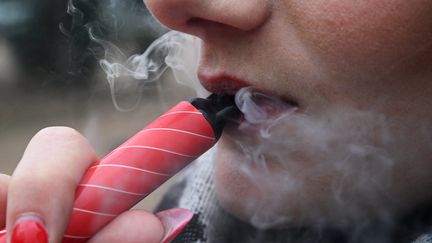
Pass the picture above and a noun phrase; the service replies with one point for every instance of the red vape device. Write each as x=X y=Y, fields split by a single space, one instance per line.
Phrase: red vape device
x=145 y=161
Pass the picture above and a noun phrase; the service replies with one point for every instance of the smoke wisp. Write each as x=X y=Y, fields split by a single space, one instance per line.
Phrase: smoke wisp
x=173 y=50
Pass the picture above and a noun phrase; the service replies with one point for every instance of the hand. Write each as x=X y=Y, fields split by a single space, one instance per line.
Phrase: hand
x=41 y=191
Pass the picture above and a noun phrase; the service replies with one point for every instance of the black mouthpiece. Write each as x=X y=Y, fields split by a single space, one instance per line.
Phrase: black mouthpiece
x=217 y=109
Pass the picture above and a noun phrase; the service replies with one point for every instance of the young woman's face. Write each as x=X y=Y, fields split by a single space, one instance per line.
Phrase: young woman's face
x=358 y=146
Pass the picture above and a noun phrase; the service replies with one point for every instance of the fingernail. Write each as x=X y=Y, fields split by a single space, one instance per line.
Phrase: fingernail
x=174 y=221
x=29 y=229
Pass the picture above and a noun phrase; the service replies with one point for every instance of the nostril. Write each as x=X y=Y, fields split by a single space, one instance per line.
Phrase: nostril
x=203 y=23
x=194 y=22
x=207 y=29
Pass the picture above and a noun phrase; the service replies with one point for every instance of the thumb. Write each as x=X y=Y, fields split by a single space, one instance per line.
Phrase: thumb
x=141 y=226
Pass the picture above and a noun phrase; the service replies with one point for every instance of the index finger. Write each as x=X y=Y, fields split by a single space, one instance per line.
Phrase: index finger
x=43 y=185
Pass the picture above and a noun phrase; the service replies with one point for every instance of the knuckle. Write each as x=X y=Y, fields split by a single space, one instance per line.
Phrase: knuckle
x=58 y=132
x=53 y=149
x=61 y=136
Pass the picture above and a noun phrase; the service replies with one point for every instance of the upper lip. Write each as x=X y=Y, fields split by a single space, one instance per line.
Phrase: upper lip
x=222 y=83
x=230 y=84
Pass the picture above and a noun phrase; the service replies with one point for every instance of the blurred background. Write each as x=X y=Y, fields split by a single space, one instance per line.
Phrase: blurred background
x=49 y=73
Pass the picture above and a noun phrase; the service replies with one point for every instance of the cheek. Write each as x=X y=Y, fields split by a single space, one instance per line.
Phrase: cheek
x=369 y=35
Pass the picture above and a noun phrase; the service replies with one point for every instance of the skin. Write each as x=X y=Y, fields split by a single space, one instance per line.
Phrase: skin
x=330 y=57
x=360 y=55
x=62 y=155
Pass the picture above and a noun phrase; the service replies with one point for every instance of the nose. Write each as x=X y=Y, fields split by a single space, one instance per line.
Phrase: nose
x=201 y=17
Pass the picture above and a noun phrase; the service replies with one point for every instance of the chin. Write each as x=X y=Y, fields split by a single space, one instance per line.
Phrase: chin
x=278 y=195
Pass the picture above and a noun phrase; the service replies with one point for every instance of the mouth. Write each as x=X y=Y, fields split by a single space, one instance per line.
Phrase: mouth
x=257 y=104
